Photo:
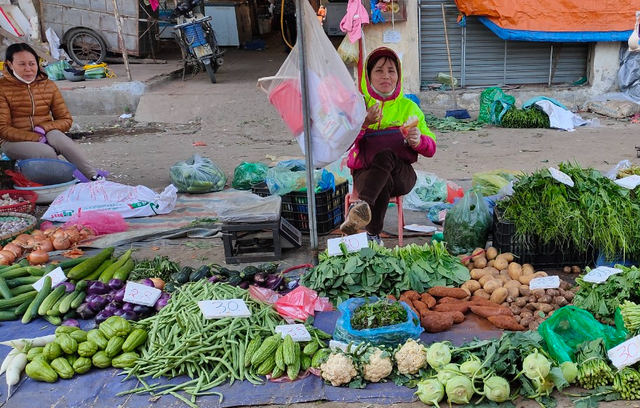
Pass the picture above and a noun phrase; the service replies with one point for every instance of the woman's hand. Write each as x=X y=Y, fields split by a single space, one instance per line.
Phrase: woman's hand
x=413 y=137
x=374 y=114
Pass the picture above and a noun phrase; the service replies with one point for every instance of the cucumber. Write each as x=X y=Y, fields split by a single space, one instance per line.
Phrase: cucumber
x=65 y=304
x=35 y=271
x=16 y=300
x=25 y=280
x=50 y=300
x=19 y=290
x=5 y=292
x=14 y=273
x=55 y=309
x=32 y=311
x=54 y=320
x=7 y=315
x=123 y=273
x=87 y=267
x=96 y=274
x=22 y=309
x=77 y=300
x=108 y=273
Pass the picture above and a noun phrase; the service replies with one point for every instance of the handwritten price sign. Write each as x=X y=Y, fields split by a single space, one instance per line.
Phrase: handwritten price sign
x=217 y=309
x=57 y=277
x=297 y=331
x=547 y=282
x=626 y=353
x=141 y=294
x=354 y=243
x=600 y=274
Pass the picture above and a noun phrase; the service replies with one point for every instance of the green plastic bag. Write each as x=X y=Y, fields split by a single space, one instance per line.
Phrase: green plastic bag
x=247 y=174
x=55 y=70
x=467 y=224
x=197 y=175
x=490 y=182
x=570 y=326
x=487 y=99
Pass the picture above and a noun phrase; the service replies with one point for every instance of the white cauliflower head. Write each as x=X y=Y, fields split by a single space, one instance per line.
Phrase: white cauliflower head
x=338 y=369
x=411 y=357
x=379 y=366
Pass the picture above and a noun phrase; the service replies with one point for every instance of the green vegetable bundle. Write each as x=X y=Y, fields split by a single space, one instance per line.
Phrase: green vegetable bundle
x=602 y=299
x=525 y=118
x=377 y=271
x=594 y=213
x=593 y=368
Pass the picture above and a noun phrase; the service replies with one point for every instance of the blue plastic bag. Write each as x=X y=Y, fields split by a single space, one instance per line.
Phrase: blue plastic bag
x=291 y=175
x=382 y=336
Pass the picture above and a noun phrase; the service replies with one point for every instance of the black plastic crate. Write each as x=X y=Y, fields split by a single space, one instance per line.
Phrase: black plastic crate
x=329 y=207
x=530 y=250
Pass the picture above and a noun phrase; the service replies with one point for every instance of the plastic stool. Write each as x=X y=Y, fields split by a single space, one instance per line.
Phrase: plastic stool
x=352 y=197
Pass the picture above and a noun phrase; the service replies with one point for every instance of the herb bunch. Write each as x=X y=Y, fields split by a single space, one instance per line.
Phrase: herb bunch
x=380 y=313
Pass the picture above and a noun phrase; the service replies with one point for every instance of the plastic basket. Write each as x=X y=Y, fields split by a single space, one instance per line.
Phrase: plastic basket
x=5 y=239
x=28 y=206
x=531 y=251
x=329 y=207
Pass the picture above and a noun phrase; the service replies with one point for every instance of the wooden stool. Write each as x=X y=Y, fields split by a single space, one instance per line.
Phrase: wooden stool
x=238 y=248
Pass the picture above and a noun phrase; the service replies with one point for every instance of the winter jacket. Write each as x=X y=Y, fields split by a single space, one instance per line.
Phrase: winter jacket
x=23 y=107
x=396 y=109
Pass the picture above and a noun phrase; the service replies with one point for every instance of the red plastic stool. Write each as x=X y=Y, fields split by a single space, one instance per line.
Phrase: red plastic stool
x=352 y=197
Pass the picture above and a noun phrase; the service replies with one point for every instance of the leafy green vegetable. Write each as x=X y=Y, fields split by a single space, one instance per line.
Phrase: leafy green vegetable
x=158 y=267
x=603 y=299
x=593 y=368
x=525 y=118
x=451 y=124
x=381 y=313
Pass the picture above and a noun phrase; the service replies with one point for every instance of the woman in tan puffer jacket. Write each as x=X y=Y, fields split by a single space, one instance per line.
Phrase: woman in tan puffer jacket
x=33 y=115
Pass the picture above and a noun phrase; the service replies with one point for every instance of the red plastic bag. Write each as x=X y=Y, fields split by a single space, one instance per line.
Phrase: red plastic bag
x=301 y=303
x=101 y=222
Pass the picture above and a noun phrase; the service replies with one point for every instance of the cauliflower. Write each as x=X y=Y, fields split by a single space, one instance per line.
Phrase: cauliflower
x=410 y=357
x=338 y=369
x=378 y=366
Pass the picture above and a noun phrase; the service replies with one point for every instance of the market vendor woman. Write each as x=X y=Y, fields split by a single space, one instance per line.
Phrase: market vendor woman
x=33 y=115
x=393 y=134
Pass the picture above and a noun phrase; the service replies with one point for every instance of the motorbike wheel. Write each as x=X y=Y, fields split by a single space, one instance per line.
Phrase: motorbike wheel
x=210 y=71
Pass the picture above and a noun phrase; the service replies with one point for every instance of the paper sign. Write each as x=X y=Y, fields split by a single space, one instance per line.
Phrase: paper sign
x=354 y=243
x=629 y=182
x=547 y=282
x=297 y=331
x=391 y=37
x=600 y=274
x=57 y=277
x=626 y=353
x=561 y=177
x=338 y=345
x=217 y=309
x=139 y=294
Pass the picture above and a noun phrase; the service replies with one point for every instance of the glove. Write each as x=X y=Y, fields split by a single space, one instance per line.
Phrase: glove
x=39 y=129
x=43 y=139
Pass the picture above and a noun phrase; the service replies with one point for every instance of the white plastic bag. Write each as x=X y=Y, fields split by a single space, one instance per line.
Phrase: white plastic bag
x=336 y=105
x=248 y=207
x=349 y=52
x=129 y=201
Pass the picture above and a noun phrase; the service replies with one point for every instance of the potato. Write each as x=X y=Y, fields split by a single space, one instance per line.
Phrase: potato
x=477 y=254
x=527 y=269
x=513 y=292
x=521 y=301
x=566 y=269
x=492 y=285
x=500 y=263
x=471 y=285
x=512 y=284
x=538 y=293
x=504 y=279
x=464 y=259
x=526 y=321
x=576 y=269
x=541 y=274
x=566 y=285
x=526 y=279
x=504 y=272
x=480 y=262
x=481 y=293
x=491 y=253
x=506 y=255
x=485 y=279
x=490 y=263
x=499 y=295
x=479 y=273
x=493 y=270
x=515 y=270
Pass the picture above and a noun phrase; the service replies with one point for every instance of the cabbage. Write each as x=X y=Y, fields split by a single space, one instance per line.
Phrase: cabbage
x=497 y=389
x=569 y=371
x=536 y=366
x=197 y=175
x=447 y=372
x=430 y=391
x=459 y=390
x=469 y=368
x=438 y=355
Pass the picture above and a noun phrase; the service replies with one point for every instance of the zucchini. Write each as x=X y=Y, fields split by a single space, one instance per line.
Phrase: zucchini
x=123 y=273
x=5 y=292
x=70 y=263
x=7 y=315
x=16 y=300
x=88 y=266
x=96 y=274
x=108 y=273
x=51 y=299
x=25 y=280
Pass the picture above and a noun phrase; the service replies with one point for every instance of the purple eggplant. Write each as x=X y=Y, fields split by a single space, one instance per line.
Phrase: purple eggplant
x=111 y=307
x=85 y=311
x=244 y=285
x=115 y=284
x=90 y=298
x=141 y=310
x=71 y=322
x=160 y=303
x=119 y=295
x=97 y=288
x=102 y=316
x=260 y=278
x=215 y=279
x=274 y=281
x=98 y=303
x=129 y=316
x=118 y=312
x=147 y=282
x=68 y=286
x=128 y=307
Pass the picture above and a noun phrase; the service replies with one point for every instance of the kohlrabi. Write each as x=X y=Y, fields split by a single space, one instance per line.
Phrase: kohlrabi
x=536 y=366
x=496 y=389
x=447 y=372
x=438 y=355
x=459 y=390
x=430 y=392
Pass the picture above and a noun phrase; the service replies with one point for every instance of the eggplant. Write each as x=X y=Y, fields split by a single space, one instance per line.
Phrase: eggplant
x=115 y=284
x=97 y=288
x=129 y=316
x=119 y=295
x=160 y=303
x=85 y=311
x=98 y=303
x=244 y=285
x=147 y=282
x=274 y=281
x=128 y=307
x=71 y=322
x=102 y=316
x=90 y=298
x=111 y=307
x=260 y=278
x=68 y=286
x=215 y=279
x=141 y=309
x=118 y=312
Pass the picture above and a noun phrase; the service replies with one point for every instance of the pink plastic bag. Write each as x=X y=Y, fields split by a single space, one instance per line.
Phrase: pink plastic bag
x=101 y=222
x=301 y=303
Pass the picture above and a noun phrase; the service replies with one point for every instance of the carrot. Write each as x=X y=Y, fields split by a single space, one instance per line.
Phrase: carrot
x=448 y=299
x=428 y=300
x=505 y=323
x=442 y=291
x=462 y=307
x=458 y=317
x=435 y=322
x=421 y=307
x=412 y=294
x=484 y=311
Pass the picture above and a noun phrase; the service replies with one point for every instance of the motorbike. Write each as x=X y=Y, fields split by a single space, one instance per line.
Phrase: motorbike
x=197 y=39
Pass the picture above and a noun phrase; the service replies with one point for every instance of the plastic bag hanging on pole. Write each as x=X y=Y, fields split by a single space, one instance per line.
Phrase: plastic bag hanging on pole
x=337 y=107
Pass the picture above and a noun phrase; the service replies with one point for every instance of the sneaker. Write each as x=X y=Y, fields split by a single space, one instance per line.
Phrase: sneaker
x=375 y=238
x=97 y=177
x=358 y=217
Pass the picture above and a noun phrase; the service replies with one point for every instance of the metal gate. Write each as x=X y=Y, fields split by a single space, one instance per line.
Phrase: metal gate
x=481 y=58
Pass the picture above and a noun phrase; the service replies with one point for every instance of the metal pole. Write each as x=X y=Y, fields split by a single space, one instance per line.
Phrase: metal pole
x=121 y=43
x=311 y=196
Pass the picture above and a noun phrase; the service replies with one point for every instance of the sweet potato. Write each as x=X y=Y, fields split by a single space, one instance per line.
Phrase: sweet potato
x=458 y=317
x=442 y=291
x=391 y=297
x=435 y=322
x=462 y=307
x=408 y=301
x=505 y=323
x=449 y=300
x=484 y=311
x=478 y=301
x=420 y=307
x=412 y=294
x=428 y=300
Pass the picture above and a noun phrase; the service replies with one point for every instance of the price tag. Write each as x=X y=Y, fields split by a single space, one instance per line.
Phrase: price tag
x=217 y=309
x=626 y=353
x=601 y=274
x=561 y=177
x=629 y=182
x=354 y=243
x=547 y=282
x=57 y=277
x=141 y=294
x=297 y=331
x=391 y=37
x=338 y=345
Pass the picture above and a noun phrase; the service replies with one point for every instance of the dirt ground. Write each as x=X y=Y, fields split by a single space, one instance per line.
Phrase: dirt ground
x=236 y=123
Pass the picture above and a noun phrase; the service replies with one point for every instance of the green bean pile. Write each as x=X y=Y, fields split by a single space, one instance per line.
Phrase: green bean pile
x=211 y=352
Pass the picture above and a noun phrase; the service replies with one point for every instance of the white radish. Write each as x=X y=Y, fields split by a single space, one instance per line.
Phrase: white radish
x=20 y=344
x=15 y=369
x=8 y=359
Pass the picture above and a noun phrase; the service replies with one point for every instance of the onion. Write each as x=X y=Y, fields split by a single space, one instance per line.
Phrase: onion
x=86 y=232
x=157 y=283
x=45 y=245
x=59 y=233
x=37 y=257
x=73 y=234
x=61 y=242
x=37 y=233
x=23 y=237
x=49 y=232
x=16 y=249
x=7 y=257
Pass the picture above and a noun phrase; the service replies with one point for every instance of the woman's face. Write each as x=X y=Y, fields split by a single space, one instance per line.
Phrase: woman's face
x=384 y=76
x=25 y=65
